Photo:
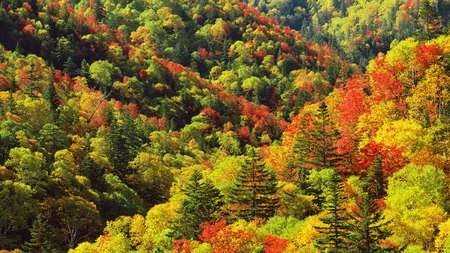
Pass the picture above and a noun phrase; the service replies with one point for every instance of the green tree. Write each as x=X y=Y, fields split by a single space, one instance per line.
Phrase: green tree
x=324 y=137
x=203 y=204
x=429 y=22
x=255 y=192
x=18 y=206
x=124 y=141
x=335 y=231
x=41 y=236
x=366 y=225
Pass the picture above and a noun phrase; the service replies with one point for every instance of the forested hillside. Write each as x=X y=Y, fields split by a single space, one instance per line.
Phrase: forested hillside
x=224 y=126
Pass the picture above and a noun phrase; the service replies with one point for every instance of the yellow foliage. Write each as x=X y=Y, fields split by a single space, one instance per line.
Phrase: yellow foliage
x=158 y=220
x=369 y=123
x=308 y=234
x=404 y=133
x=444 y=232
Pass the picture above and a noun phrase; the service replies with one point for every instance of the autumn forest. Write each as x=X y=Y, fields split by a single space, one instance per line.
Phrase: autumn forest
x=224 y=126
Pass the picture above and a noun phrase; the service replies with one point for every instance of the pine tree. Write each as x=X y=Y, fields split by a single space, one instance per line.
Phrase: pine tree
x=40 y=237
x=254 y=194
x=430 y=24
x=324 y=137
x=203 y=204
x=335 y=231
x=298 y=165
x=365 y=224
x=124 y=142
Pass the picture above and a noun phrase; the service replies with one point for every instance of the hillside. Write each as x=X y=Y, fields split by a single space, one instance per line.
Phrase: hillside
x=212 y=126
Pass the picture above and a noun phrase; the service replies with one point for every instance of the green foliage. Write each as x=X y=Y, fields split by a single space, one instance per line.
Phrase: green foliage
x=202 y=205
x=255 y=191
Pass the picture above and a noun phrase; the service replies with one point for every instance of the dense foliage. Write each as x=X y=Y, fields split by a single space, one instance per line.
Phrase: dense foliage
x=224 y=126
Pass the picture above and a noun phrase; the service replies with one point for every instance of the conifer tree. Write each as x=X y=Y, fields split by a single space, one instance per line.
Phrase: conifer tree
x=430 y=24
x=124 y=143
x=365 y=224
x=254 y=194
x=335 y=231
x=203 y=204
x=40 y=236
x=324 y=137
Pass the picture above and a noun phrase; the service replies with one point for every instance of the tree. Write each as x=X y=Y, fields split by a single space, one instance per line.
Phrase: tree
x=366 y=226
x=202 y=205
x=335 y=231
x=124 y=142
x=324 y=137
x=254 y=194
x=429 y=21
x=41 y=235
x=18 y=206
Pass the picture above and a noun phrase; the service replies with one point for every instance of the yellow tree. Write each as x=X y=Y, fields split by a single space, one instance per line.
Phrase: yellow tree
x=415 y=204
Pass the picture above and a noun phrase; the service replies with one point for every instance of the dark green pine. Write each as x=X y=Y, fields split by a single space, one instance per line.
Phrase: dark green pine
x=336 y=229
x=324 y=137
x=125 y=141
x=429 y=21
x=41 y=236
x=366 y=225
x=255 y=192
x=202 y=205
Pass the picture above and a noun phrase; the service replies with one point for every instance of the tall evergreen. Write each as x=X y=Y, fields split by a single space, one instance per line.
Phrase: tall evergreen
x=124 y=142
x=203 y=204
x=254 y=194
x=365 y=225
x=324 y=137
x=41 y=236
x=336 y=229
x=429 y=22
x=298 y=165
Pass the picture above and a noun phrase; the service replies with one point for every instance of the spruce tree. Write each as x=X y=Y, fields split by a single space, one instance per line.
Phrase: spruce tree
x=336 y=229
x=254 y=194
x=365 y=224
x=203 y=204
x=324 y=137
x=124 y=142
x=430 y=24
x=41 y=236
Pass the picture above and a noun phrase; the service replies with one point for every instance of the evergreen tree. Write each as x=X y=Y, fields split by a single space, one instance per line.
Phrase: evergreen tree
x=365 y=224
x=30 y=82
x=429 y=22
x=254 y=194
x=335 y=231
x=41 y=236
x=203 y=204
x=324 y=137
x=298 y=165
x=69 y=66
x=124 y=142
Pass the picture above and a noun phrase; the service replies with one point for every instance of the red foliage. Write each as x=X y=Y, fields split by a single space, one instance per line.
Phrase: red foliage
x=392 y=158
x=134 y=110
x=27 y=6
x=213 y=115
x=222 y=238
x=244 y=134
x=143 y=75
x=204 y=54
x=427 y=55
x=259 y=56
x=162 y=124
x=4 y=84
x=274 y=244
x=385 y=84
x=354 y=101
x=260 y=116
x=184 y=246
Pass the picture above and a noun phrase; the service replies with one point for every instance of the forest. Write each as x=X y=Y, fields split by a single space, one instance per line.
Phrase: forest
x=224 y=126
